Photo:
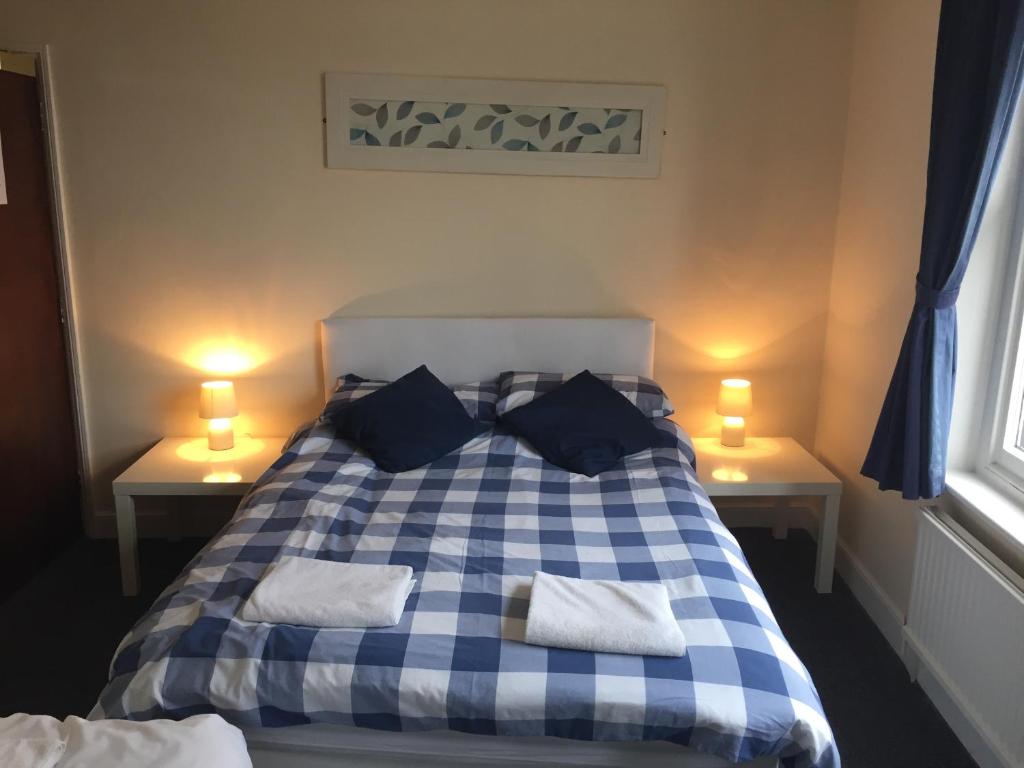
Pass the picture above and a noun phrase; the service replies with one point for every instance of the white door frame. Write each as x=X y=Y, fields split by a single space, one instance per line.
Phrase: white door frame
x=63 y=263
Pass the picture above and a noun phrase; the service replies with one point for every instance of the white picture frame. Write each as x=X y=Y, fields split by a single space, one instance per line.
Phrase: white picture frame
x=342 y=89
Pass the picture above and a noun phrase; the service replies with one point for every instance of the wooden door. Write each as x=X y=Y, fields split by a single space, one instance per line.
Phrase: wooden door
x=40 y=512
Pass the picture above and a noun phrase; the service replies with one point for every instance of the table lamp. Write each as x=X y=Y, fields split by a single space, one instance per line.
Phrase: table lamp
x=217 y=403
x=734 y=403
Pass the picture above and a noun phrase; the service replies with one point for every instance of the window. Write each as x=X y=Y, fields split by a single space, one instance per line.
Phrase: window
x=1005 y=456
x=986 y=469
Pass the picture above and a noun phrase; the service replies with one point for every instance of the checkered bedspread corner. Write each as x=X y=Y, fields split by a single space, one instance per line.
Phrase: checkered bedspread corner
x=475 y=526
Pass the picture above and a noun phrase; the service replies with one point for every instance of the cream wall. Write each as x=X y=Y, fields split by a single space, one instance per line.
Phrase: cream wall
x=878 y=238
x=200 y=209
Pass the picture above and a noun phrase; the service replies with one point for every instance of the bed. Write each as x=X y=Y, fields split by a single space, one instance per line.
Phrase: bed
x=453 y=681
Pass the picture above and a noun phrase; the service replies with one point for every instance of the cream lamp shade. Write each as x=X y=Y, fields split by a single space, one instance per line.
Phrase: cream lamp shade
x=735 y=402
x=217 y=403
x=217 y=400
x=734 y=398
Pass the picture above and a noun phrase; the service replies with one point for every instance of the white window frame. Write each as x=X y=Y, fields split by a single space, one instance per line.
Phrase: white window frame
x=1000 y=461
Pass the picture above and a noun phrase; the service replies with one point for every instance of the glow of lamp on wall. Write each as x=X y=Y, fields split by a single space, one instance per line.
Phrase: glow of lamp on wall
x=224 y=356
x=735 y=403
x=217 y=404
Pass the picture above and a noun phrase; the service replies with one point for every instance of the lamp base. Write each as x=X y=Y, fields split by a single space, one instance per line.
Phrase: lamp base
x=220 y=436
x=734 y=432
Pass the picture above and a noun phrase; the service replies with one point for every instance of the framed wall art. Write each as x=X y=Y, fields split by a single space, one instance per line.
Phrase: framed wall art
x=388 y=122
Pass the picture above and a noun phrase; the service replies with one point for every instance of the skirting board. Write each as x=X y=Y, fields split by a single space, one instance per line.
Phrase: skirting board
x=890 y=621
x=954 y=710
x=873 y=599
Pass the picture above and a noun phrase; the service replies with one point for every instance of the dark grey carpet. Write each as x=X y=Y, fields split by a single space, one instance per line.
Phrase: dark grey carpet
x=60 y=631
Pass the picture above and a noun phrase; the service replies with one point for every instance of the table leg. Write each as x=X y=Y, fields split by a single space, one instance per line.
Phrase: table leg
x=127 y=544
x=827 y=534
x=779 y=528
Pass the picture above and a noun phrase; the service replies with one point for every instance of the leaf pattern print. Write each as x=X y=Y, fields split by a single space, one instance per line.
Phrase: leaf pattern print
x=408 y=123
x=614 y=121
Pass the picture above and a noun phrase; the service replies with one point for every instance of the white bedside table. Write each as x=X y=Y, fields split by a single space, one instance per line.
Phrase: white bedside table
x=779 y=467
x=184 y=466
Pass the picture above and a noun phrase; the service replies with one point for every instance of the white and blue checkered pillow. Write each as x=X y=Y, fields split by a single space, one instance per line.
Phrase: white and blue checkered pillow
x=477 y=397
x=516 y=388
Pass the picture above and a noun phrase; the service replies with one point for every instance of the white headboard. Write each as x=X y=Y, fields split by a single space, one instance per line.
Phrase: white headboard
x=458 y=350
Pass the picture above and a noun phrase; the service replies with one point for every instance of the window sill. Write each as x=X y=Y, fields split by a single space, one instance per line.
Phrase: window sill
x=991 y=514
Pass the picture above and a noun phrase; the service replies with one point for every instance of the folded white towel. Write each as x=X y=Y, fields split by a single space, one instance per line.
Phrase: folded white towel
x=30 y=753
x=610 y=616
x=200 y=740
x=319 y=593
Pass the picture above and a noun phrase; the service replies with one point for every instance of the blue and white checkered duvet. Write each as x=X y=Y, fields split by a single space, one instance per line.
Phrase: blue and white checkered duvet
x=475 y=526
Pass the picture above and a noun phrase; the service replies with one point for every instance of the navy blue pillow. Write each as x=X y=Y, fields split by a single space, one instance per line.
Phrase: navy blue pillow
x=408 y=423
x=584 y=426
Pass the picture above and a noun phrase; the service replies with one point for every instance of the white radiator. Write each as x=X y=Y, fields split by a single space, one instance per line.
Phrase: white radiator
x=966 y=627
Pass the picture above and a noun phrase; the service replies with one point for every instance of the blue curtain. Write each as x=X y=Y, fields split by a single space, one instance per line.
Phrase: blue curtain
x=977 y=80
